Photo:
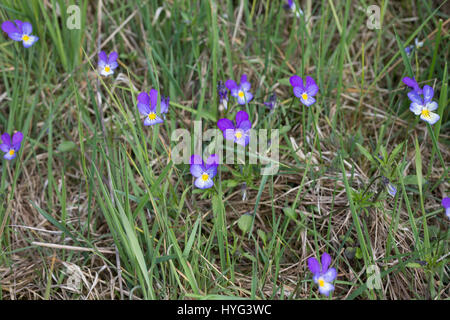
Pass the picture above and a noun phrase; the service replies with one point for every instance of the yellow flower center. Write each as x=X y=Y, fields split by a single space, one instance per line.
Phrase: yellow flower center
x=12 y=151
x=426 y=113
x=205 y=176
x=241 y=94
x=321 y=283
x=152 y=116
x=238 y=135
x=107 y=68
x=304 y=96
x=25 y=37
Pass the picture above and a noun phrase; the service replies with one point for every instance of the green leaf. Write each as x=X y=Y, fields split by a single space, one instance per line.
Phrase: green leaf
x=413 y=265
x=284 y=129
x=245 y=223
x=383 y=153
x=412 y=180
x=366 y=153
x=66 y=146
x=394 y=153
x=262 y=235
x=284 y=81
x=229 y=183
x=288 y=211
x=358 y=253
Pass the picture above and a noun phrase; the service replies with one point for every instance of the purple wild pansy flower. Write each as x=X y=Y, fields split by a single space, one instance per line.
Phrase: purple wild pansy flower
x=290 y=5
x=204 y=172
x=446 y=205
x=304 y=91
x=424 y=106
x=242 y=91
x=391 y=189
x=412 y=84
x=223 y=94
x=11 y=146
x=409 y=49
x=107 y=63
x=272 y=102
x=418 y=44
x=321 y=274
x=147 y=104
x=164 y=105
x=240 y=132
x=21 y=31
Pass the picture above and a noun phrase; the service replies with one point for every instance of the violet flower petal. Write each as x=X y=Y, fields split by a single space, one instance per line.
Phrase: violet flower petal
x=112 y=57
x=296 y=81
x=213 y=160
x=17 y=138
x=6 y=138
x=428 y=93
x=229 y=134
x=153 y=99
x=225 y=124
x=144 y=109
x=325 y=260
x=102 y=56
x=27 y=28
x=231 y=84
x=314 y=265
x=446 y=202
x=16 y=36
x=19 y=24
x=330 y=275
x=415 y=97
x=196 y=170
x=4 y=147
x=143 y=98
x=240 y=117
x=196 y=159
x=311 y=86
x=245 y=125
x=9 y=27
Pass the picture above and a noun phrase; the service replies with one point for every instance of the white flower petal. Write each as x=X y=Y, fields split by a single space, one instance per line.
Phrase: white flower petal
x=431 y=106
x=415 y=108
x=431 y=119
